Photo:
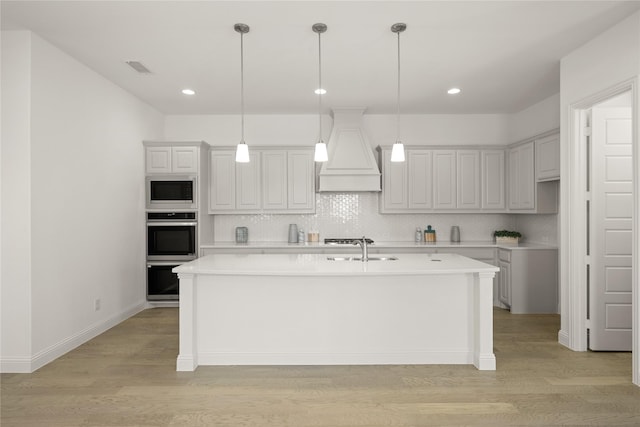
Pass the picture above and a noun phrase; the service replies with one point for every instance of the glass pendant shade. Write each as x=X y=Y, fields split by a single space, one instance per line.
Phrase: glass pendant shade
x=397 y=152
x=321 y=154
x=242 y=153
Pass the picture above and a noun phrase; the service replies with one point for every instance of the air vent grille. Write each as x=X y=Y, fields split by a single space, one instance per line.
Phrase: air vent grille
x=138 y=67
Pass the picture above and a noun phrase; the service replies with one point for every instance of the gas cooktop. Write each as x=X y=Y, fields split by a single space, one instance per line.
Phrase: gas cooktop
x=344 y=241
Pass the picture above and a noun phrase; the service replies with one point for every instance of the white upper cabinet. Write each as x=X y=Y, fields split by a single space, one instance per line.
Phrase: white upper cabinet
x=493 y=184
x=436 y=180
x=274 y=184
x=521 y=177
x=533 y=170
x=468 y=184
x=184 y=159
x=222 y=181
x=548 y=158
x=301 y=195
x=444 y=179
x=394 y=183
x=275 y=180
x=166 y=159
x=420 y=186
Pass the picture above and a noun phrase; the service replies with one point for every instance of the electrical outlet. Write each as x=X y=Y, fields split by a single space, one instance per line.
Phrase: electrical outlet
x=96 y=304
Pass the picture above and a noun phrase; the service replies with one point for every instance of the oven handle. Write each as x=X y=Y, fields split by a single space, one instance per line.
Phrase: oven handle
x=164 y=263
x=165 y=224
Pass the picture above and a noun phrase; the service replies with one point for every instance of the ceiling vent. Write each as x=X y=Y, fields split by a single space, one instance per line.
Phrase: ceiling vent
x=138 y=67
x=351 y=165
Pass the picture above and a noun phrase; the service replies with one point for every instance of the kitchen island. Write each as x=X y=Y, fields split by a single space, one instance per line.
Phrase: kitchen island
x=307 y=309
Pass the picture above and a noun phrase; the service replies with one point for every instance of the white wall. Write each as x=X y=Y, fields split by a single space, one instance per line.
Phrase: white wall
x=608 y=61
x=15 y=182
x=85 y=175
x=538 y=118
x=431 y=129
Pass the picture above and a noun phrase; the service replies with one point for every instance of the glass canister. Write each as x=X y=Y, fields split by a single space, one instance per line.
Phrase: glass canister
x=242 y=234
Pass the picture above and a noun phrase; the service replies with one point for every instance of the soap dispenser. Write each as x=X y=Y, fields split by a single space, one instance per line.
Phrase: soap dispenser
x=429 y=235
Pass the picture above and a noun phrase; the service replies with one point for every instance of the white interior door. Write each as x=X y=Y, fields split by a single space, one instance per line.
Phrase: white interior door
x=610 y=299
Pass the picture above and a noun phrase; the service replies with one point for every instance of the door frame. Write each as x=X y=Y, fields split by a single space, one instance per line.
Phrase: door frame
x=573 y=223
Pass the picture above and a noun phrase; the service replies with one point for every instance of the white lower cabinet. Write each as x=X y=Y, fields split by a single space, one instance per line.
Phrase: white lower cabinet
x=528 y=280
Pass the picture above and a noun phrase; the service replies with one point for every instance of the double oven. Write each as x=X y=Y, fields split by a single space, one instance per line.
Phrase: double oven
x=172 y=234
x=171 y=241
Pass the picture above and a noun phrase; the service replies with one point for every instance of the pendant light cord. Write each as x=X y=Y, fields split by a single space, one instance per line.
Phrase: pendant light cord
x=320 y=85
x=398 y=99
x=242 y=87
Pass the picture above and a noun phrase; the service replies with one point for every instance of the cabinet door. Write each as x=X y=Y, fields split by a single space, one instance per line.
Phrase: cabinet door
x=493 y=179
x=248 y=189
x=444 y=179
x=548 y=158
x=394 y=184
x=468 y=179
x=158 y=159
x=222 y=181
x=505 y=282
x=301 y=193
x=419 y=163
x=184 y=159
x=274 y=180
x=521 y=177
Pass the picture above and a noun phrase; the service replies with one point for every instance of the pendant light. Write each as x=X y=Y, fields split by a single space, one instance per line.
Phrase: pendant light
x=397 y=152
x=242 y=150
x=320 y=154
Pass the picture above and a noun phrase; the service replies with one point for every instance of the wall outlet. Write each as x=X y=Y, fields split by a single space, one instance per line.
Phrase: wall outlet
x=96 y=304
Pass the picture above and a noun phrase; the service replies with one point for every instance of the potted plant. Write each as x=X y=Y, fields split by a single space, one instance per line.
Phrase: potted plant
x=506 y=236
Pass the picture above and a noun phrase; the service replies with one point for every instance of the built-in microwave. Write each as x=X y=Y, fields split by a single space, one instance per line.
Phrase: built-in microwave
x=172 y=192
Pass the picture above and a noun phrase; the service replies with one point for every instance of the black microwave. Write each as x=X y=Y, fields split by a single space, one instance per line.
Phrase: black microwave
x=172 y=192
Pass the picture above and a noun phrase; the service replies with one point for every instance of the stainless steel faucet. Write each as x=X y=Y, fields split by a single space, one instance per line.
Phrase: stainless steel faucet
x=365 y=250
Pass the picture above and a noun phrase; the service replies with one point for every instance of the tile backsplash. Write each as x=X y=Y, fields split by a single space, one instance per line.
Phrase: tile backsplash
x=356 y=215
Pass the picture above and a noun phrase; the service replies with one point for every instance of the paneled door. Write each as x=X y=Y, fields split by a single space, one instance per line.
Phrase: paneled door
x=610 y=245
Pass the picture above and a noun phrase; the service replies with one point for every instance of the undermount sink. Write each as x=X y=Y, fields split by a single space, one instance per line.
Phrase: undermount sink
x=355 y=258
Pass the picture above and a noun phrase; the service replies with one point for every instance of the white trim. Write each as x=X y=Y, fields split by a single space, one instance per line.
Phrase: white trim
x=28 y=365
x=573 y=224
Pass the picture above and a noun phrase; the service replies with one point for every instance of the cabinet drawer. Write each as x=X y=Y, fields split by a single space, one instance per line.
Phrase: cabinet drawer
x=504 y=255
x=480 y=254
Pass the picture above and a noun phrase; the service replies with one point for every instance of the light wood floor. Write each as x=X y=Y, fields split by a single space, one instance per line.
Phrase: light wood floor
x=127 y=377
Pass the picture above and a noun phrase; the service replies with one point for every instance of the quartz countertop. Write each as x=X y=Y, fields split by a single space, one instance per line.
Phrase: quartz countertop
x=377 y=245
x=321 y=265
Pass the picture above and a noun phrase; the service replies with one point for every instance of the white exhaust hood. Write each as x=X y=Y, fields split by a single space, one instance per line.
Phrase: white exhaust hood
x=351 y=165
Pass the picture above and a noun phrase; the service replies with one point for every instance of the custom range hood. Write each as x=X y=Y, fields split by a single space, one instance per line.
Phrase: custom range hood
x=351 y=165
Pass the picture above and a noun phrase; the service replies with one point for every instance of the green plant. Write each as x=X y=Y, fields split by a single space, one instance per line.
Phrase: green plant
x=506 y=233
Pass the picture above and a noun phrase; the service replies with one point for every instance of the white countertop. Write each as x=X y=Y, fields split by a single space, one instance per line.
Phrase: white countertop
x=320 y=265
x=376 y=245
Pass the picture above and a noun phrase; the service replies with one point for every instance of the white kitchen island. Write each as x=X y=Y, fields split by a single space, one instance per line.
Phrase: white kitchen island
x=304 y=309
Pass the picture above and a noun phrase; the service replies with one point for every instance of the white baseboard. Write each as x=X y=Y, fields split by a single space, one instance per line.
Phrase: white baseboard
x=563 y=338
x=37 y=361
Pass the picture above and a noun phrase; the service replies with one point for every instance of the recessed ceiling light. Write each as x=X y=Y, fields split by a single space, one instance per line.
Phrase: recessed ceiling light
x=320 y=91
x=188 y=91
x=453 y=91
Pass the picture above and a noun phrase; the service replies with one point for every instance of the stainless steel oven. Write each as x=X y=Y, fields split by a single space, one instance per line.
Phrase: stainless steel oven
x=171 y=236
x=171 y=241
x=162 y=283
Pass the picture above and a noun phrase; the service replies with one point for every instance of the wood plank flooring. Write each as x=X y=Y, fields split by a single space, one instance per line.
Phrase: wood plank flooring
x=127 y=377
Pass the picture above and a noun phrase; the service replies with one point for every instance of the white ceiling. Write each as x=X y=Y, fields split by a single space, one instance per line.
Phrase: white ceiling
x=503 y=54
